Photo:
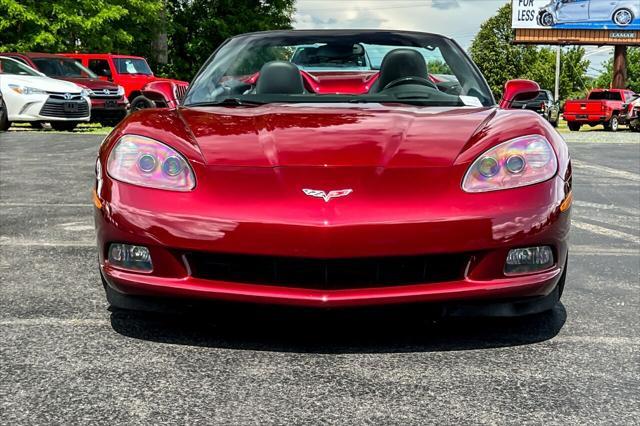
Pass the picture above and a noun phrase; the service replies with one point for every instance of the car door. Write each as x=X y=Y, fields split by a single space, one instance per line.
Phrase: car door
x=102 y=68
x=573 y=10
x=601 y=10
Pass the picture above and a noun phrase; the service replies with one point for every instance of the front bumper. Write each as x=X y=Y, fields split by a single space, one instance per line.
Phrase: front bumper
x=109 y=109
x=28 y=108
x=483 y=227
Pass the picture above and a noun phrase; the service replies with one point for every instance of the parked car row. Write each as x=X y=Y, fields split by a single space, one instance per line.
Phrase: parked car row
x=66 y=89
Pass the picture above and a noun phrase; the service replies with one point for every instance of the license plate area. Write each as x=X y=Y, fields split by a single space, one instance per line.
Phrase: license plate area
x=582 y=116
x=70 y=106
x=111 y=104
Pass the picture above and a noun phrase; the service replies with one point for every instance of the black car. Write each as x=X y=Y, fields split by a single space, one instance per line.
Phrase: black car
x=544 y=105
x=4 y=120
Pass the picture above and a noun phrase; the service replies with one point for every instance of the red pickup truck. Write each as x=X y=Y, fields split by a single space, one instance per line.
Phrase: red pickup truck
x=602 y=106
x=143 y=89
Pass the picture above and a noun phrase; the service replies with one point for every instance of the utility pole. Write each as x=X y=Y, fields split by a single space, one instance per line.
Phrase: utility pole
x=557 y=91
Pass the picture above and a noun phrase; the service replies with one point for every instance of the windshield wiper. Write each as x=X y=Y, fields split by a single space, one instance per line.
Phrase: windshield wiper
x=228 y=102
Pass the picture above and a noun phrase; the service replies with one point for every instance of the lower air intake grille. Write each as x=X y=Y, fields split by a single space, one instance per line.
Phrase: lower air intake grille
x=327 y=273
x=65 y=109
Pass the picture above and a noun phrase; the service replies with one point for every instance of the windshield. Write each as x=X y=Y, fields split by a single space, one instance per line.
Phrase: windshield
x=59 y=67
x=605 y=96
x=337 y=67
x=10 y=66
x=132 y=66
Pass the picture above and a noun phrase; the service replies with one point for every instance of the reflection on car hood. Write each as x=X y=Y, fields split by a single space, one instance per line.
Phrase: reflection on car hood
x=91 y=83
x=333 y=135
x=42 y=83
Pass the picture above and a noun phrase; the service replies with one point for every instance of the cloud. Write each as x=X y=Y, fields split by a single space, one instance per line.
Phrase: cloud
x=349 y=18
x=445 y=4
x=459 y=19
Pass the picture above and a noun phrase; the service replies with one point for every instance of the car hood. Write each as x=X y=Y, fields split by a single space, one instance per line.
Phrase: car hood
x=329 y=135
x=42 y=83
x=90 y=83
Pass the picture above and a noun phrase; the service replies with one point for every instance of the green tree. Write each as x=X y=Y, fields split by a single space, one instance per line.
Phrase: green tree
x=500 y=60
x=198 y=27
x=496 y=55
x=573 y=70
x=633 y=71
x=127 y=26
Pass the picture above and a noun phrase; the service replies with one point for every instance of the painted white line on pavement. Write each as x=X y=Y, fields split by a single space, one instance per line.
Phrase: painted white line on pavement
x=601 y=230
x=587 y=250
x=46 y=205
x=598 y=206
x=91 y=322
x=21 y=242
x=577 y=164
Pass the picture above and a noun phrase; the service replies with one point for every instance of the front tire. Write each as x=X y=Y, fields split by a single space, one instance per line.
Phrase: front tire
x=623 y=17
x=547 y=20
x=64 y=126
x=4 y=120
x=574 y=127
x=142 y=102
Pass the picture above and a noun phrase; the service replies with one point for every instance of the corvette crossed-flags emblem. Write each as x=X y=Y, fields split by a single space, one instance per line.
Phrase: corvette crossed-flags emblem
x=327 y=196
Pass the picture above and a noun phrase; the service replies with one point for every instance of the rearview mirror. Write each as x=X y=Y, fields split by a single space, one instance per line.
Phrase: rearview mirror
x=519 y=91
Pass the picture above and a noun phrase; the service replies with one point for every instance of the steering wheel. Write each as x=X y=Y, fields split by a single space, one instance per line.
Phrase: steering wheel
x=410 y=80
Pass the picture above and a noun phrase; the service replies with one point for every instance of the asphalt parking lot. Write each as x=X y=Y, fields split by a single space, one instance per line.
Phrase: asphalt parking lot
x=66 y=359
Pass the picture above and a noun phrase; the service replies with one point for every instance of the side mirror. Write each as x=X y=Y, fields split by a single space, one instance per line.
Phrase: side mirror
x=519 y=91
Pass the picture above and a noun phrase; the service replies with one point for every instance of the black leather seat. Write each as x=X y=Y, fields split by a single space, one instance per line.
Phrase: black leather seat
x=400 y=63
x=280 y=78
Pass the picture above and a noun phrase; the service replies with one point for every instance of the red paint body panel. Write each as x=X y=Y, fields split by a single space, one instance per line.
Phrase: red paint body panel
x=405 y=165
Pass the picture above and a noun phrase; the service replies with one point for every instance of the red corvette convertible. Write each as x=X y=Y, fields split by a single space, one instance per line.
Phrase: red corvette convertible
x=335 y=169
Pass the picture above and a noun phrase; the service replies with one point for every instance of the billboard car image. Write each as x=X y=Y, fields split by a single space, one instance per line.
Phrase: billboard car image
x=577 y=14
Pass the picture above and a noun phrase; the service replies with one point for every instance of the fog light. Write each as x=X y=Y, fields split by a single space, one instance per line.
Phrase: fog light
x=527 y=260
x=127 y=256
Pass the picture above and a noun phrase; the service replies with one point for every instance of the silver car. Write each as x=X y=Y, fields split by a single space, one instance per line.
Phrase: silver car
x=620 y=12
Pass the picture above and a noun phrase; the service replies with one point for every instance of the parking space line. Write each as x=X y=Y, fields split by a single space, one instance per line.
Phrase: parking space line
x=606 y=170
x=589 y=250
x=21 y=242
x=99 y=322
x=606 y=232
x=46 y=205
x=598 y=206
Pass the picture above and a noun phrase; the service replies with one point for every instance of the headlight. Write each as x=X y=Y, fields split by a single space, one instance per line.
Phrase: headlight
x=86 y=92
x=146 y=162
x=120 y=90
x=25 y=90
x=519 y=162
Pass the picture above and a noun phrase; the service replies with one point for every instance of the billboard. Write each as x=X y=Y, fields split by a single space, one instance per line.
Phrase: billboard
x=576 y=14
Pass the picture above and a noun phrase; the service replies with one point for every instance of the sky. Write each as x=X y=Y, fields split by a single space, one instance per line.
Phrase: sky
x=458 y=19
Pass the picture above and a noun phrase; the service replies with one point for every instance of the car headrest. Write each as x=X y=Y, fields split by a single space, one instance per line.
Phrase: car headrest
x=400 y=63
x=280 y=77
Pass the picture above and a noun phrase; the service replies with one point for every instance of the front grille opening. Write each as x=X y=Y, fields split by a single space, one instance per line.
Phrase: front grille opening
x=329 y=274
x=56 y=108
